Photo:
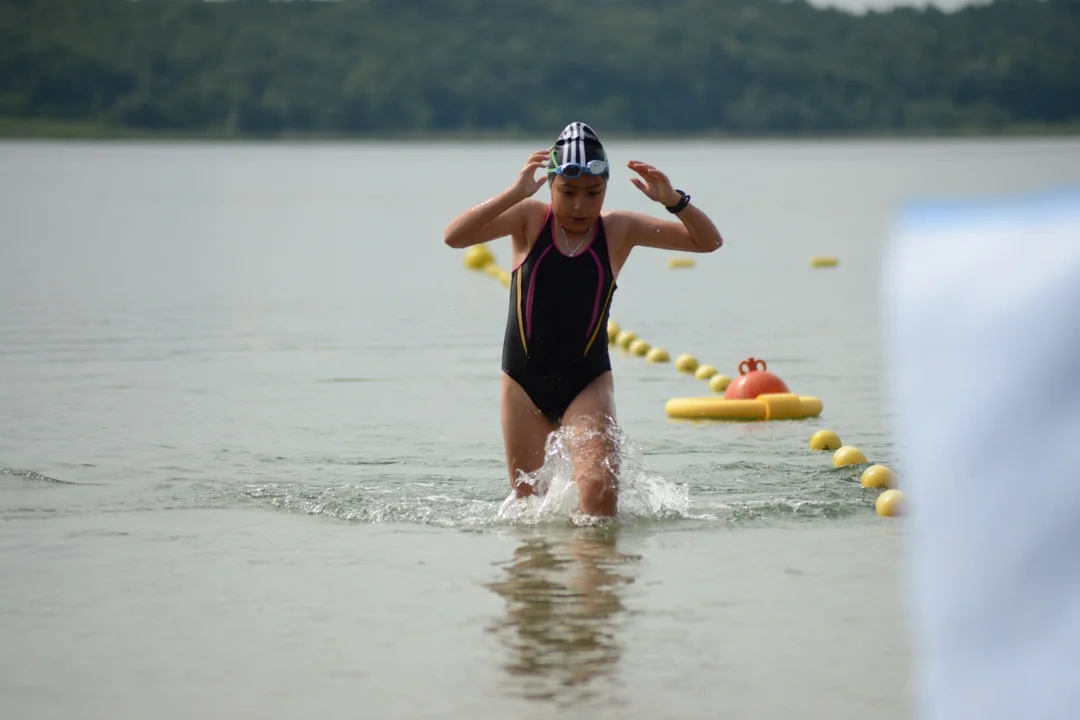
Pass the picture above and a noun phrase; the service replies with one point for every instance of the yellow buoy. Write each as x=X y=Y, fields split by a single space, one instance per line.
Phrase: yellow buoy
x=624 y=338
x=658 y=355
x=767 y=406
x=711 y=408
x=878 y=476
x=478 y=257
x=811 y=406
x=613 y=330
x=823 y=261
x=704 y=372
x=680 y=262
x=781 y=406
x=891 y=503
x=848 y=455
x=825 y=440
x=686 y=363
x=639 y=348
x=719 y=383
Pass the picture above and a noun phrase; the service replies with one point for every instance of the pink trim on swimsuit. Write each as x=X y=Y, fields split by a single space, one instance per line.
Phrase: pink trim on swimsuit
x=599 y=288
x=529 y=296
x=547 y=216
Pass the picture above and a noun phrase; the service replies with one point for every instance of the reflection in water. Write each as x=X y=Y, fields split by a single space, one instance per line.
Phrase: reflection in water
x=564 y=602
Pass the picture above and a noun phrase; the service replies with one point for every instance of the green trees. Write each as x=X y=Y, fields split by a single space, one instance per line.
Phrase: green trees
x=378 y=67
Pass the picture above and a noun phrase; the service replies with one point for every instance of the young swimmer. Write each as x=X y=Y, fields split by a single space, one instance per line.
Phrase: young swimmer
x=566 y=257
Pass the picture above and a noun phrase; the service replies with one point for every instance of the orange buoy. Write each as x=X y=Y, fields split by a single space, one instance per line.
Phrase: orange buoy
x=754 y=380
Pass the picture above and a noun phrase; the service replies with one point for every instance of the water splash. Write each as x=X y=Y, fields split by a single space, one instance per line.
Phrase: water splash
x=700 y=489
x=33 y=476
x=642 y=493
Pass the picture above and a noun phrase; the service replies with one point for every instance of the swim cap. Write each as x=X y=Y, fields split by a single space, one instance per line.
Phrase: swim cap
x=578 y=143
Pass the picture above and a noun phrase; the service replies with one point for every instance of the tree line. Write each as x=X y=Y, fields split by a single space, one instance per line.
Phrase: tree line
x=401 y=67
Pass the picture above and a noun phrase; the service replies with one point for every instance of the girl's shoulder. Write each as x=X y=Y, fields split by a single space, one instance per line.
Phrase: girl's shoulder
x=535 y=214
x=617 y=224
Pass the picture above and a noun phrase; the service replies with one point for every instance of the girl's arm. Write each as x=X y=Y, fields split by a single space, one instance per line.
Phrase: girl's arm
x=694 y=232
x=503 y=214
x=498 y=217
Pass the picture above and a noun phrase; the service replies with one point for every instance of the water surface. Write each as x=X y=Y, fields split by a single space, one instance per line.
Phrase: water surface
x=250 y=461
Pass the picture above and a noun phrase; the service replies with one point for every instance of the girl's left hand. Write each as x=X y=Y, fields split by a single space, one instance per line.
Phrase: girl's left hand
x=654 y=184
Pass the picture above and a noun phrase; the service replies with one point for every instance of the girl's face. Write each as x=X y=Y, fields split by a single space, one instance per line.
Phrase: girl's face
x=576 y=203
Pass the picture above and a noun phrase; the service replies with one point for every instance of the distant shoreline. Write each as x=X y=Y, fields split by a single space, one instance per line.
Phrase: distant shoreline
x=47 y=129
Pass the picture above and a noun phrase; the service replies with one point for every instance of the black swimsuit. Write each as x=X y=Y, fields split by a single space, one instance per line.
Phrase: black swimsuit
x=556 y=335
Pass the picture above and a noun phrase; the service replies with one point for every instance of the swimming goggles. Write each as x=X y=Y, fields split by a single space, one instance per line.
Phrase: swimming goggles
x=575 y=170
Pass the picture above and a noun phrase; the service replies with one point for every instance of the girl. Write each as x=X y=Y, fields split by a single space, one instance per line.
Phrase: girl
x=567 y=255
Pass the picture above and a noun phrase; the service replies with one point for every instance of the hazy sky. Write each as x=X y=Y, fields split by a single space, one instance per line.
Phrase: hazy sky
x=863 y=5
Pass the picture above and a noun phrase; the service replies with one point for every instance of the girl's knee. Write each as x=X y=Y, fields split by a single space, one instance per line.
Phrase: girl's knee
x=596 y=475
x=598 y=493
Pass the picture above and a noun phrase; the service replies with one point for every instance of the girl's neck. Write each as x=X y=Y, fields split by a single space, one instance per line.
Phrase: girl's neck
x=572 y=243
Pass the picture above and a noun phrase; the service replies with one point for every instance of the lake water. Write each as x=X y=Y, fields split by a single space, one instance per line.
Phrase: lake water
x=251 y=464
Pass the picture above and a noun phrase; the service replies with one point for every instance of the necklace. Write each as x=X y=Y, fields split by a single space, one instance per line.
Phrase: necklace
x=566 y=240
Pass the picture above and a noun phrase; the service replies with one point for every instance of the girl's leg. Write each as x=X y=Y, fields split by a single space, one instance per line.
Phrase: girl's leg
x=593 y=446
x=525 y=432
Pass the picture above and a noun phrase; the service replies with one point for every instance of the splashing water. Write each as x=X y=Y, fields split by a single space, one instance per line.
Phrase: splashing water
x=730 y=491
x=642 y=494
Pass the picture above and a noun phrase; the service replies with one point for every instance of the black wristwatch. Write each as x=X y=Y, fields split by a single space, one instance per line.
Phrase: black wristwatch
x=678 y=208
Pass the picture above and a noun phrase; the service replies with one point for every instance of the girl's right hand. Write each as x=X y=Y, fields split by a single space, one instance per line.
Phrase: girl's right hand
x=527 y=183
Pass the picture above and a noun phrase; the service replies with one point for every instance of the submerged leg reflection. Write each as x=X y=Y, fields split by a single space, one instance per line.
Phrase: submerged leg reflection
x=564 y=598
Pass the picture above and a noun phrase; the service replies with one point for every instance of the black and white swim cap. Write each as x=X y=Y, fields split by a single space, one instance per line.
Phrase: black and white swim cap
x=578 y=143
